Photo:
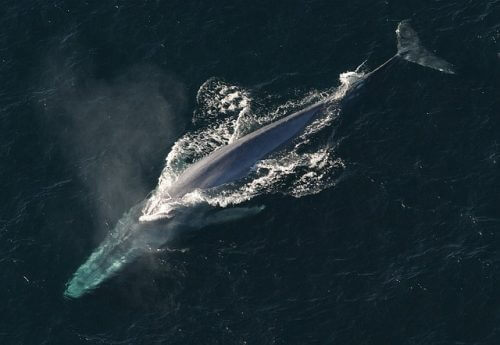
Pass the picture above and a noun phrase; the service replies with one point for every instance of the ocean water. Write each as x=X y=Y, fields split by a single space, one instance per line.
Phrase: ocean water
x=380 y=226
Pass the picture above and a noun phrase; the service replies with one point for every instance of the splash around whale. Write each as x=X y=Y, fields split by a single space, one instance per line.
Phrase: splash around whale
x=227 y=175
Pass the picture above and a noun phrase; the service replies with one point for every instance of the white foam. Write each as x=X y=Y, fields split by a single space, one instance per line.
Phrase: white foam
x=225 y=113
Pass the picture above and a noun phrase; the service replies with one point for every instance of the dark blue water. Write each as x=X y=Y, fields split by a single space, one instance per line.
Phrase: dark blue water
x=404 y=249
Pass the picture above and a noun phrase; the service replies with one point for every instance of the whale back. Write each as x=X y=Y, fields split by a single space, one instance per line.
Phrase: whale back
x=234 y=161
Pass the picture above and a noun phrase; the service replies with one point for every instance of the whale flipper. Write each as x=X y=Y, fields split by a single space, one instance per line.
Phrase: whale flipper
x=232 y=214
x=410 y=49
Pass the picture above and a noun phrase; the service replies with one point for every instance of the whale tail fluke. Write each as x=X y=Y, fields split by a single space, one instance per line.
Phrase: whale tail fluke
x=410 y=49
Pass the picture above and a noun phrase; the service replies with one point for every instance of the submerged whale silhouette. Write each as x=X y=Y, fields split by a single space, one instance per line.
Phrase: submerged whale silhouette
x=227 y=164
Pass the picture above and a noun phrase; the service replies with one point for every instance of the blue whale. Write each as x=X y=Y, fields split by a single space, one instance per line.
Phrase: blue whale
x=230 y=163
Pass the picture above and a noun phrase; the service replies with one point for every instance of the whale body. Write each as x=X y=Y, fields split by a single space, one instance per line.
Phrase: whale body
x=230 y=163
x=234 y=161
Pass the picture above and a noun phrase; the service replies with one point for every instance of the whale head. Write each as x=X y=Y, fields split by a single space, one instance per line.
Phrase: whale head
x=126 y=242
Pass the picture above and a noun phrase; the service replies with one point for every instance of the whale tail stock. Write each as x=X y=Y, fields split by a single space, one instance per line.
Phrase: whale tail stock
x=410 y=49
